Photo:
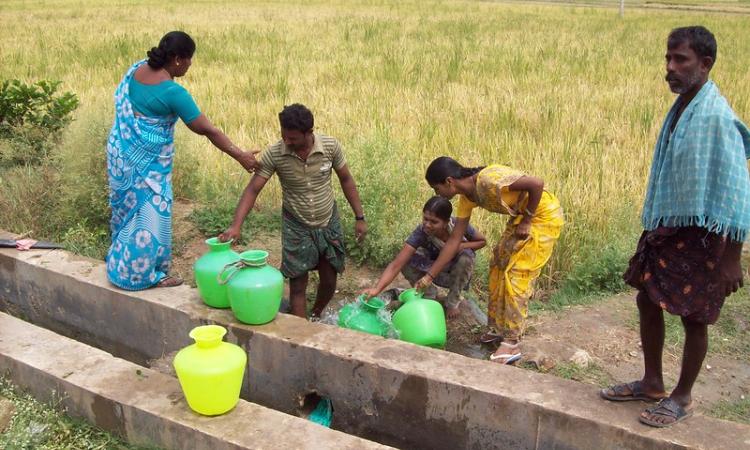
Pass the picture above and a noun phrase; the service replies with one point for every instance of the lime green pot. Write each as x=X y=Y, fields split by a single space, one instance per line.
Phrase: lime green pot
x=210 y=371
x=420 y=321
x=254 y=288
x=364 y=316
x=207 y=269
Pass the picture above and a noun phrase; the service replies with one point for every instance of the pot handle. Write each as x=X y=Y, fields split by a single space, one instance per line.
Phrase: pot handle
x=231 y=269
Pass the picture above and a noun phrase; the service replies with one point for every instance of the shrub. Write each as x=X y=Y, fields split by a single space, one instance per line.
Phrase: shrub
x=64 y=198
x=211 y=220
x=31 y=117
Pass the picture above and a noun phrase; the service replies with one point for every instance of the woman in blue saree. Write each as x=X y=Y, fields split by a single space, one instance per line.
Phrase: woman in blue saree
x=140 y=148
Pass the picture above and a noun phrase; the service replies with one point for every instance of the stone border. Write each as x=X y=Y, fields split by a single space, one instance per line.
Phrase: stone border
x=144 y=406
x=384 y=390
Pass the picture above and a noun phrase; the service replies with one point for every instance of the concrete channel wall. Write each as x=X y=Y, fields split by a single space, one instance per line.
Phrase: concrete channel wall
x=144 y=406
x=383 y=390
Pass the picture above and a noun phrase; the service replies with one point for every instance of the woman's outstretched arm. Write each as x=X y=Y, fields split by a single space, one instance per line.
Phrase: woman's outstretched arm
x=390 y=272
x=204 y=127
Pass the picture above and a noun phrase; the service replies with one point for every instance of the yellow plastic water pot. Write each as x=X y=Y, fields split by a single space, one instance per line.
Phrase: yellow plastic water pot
x=210 y=371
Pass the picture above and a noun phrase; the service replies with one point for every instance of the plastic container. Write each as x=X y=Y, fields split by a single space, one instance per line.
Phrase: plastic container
x=254 y=288
x=207 y=269
x=210 y=371
x=364 y=316
x=420 y=321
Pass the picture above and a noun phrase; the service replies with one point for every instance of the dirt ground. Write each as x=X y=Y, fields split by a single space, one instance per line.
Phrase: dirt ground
x=596 y=344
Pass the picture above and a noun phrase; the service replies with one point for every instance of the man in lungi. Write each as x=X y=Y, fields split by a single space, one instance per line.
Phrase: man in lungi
x=696 y=216
x=311 y=235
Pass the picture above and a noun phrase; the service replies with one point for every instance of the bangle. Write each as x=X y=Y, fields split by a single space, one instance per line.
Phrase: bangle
x=528 y=213
x=362 y=217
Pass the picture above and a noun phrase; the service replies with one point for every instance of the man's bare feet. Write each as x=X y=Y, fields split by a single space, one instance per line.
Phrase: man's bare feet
x=453 y=312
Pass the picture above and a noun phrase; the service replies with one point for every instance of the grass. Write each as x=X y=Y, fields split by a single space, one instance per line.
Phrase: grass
x=736 y=411
x=729 y=336
x=590 y=374
x=574 y=95
x=211 y=220
x=44 y=426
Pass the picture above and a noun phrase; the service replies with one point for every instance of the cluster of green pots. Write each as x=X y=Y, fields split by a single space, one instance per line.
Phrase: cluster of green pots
x=243 y=282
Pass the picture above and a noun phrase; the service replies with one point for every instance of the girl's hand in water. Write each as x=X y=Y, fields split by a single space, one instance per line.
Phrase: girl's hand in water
x=423 y=283
x=369 y=293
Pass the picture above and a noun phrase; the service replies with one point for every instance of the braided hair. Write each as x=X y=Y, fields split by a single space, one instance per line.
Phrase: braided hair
x=443 y=167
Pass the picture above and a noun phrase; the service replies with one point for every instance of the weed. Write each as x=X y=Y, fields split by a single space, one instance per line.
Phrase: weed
x=211 y=220
x=45 y=426
x=736 y=411
x=592 y=374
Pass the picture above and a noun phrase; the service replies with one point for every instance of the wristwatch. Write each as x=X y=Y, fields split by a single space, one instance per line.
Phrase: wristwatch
x=362 y=217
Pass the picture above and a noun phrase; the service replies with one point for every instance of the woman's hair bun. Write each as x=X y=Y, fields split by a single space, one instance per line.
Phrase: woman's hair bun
x=157 y=58
x=173 y=44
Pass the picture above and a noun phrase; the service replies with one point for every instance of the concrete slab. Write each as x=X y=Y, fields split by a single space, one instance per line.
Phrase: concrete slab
x=393 y=392
x=144 y=406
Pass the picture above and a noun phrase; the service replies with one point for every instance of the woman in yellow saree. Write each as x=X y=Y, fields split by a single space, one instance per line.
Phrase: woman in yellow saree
x=534 y=224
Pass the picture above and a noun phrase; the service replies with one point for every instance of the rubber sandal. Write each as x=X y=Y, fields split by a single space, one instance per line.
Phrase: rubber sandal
x=490 y=338
x=636 y=393
x=170 y=281
x=666 y=408
x=509 y=358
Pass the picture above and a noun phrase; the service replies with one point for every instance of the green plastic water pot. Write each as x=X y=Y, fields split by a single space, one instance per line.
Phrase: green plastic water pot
x=210 y=371
x=420 y=321
x=254 y=288
x=364 y=316
x=207 y=269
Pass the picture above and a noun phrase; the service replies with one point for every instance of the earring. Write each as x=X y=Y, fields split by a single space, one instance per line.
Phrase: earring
x=177 y=64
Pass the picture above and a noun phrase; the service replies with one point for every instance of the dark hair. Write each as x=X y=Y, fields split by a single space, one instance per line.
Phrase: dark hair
x=700 y=40
x=439 y=206
x=444 y=167
x=296 y=117
x=172 y=45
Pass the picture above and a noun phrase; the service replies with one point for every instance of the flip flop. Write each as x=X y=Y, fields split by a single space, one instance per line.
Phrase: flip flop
x=169 y=281
x=490 y=338
x=666 y=408
x=510 y=358
x=636 y=393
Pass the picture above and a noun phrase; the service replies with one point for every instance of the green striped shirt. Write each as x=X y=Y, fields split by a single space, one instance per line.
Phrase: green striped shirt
x=305 y=185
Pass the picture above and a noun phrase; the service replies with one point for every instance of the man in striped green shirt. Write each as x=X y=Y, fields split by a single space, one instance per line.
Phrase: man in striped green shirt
x=311 y=237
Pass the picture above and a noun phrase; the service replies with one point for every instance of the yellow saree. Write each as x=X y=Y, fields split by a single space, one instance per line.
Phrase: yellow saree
x=515 y=263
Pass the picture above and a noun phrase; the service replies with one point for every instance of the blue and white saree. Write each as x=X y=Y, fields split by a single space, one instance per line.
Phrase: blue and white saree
x=139 y=164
